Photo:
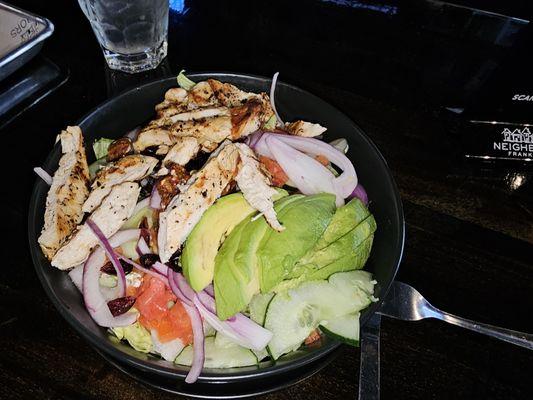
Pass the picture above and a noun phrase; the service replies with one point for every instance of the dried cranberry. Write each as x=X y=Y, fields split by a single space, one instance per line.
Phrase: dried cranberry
x=147 y=260
x=109 y=269
x=121 y=305
x=143 y=225
x=145 y=232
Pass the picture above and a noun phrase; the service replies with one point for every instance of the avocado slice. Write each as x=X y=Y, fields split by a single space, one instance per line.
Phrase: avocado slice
x=201 y=247
x=348 y=245
x=236 y=277
x=345 y=219
x=305 y=222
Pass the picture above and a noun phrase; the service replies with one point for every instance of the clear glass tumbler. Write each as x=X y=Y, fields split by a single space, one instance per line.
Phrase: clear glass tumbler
x=132 y=33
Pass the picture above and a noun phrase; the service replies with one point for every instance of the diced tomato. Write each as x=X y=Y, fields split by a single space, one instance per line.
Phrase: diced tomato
x=132 y=291
x=279 y=177
x=312 y=338
x=322 y=160
x=152 y=303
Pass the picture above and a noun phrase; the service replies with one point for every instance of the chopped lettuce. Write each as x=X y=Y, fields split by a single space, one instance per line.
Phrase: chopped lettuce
x=100 y=147
x=184 y=82
x=95 y=167
x=137 y=336
x=271 y=123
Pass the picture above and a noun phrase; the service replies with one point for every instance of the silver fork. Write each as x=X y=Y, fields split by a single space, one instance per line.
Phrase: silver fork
x=406 y=303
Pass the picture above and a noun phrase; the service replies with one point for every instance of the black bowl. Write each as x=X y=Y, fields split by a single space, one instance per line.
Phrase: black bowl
x=118 y=115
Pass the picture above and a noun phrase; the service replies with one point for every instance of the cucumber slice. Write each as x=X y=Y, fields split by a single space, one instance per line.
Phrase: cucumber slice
x=216 y=357
x=258 y=307
x=357 y=286
x=293 y=315
x=261 y=354
x=135 y=220
x=223 y=342
x=344 y=329
x=129 y=250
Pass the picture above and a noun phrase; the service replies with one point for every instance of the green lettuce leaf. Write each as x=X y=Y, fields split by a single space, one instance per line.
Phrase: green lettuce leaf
x=184 y=82
x=137 y=336
x=100 y=147
x=271 y=123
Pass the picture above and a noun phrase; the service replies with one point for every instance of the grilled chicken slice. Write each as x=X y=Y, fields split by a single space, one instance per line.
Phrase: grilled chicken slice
x=305 y=129
x=241 y=121
x=255 y=185
x=197 y=114
x=186 y=209
x=183 y=151
x=153 y=137
x=70 y=188
x=114 y=210
x=126 y=169
x=230 y=95
x=178 y=100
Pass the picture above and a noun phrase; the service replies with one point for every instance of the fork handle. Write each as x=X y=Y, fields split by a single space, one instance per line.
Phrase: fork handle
x=518 y=338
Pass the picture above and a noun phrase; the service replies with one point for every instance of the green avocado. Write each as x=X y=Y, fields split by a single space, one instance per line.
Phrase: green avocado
x=305 y=222
x=200 y=250
x=236 y=277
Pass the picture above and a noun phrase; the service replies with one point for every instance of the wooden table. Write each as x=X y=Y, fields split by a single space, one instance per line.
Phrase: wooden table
x=469 y=226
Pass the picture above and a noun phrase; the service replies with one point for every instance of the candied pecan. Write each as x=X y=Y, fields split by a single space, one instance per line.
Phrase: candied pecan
x=167 y=186
x=119 y=148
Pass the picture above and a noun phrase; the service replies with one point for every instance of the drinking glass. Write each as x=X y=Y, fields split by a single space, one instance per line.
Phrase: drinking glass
x=132 y=33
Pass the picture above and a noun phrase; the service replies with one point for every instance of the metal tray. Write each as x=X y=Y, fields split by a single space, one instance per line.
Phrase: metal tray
x=21 y=37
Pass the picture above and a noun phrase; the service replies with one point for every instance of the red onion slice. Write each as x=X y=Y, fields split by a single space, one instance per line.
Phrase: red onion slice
x=171 y=276
x=257 y=336
x=262 y=148
x=160 y=268
x=309 y=176
x=360 y=193
x=197 y=327
x=161 y=277
x=142 y=247
x=45 y=176
x=184 y=286
x=104 y=243
x=345 y=182
x=95 y=302
x=155 y=198
x=197 y=345
x=272 y=99
x=210 y=290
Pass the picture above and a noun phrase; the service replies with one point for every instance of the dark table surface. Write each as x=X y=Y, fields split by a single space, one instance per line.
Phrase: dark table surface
x=469 y=226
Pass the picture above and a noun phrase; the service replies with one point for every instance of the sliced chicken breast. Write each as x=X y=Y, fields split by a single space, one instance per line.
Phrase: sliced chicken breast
x=178 y=100
x=114 y=210
x=305 y=129
x=152 y=137
x=255 y=185
x=126 y=169
x=186 y=209
x=69 y=189
x=183 y=151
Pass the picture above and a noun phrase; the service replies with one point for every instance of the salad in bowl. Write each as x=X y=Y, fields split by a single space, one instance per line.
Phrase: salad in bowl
x=216 y=235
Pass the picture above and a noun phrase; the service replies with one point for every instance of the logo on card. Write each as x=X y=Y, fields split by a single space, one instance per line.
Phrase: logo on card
x=516 y=142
